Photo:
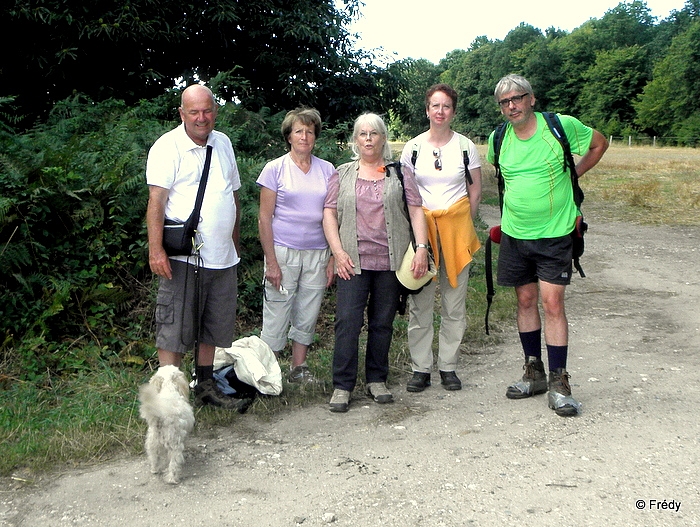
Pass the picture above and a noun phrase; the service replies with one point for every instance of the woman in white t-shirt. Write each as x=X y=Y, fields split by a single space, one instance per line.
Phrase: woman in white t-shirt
x=451 y=194
x=298 y=266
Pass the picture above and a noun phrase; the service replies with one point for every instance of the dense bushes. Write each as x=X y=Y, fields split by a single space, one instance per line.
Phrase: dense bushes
x=75 y=288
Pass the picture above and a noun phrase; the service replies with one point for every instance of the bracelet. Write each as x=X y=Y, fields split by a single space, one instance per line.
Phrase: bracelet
x=422 y=246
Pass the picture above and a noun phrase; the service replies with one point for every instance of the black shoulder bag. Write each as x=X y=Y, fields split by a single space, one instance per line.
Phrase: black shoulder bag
x=178 y=237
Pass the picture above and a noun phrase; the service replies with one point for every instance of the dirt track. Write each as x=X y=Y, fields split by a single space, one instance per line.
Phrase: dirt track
x=471 y=457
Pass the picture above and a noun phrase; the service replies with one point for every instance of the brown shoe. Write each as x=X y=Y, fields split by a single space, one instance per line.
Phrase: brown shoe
x=340 y=400
x=534 y=380
x=207 y=392
x=559 y=397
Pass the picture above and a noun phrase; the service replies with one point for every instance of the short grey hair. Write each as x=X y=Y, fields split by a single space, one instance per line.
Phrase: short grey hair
x=375 y=122
x=511 y=83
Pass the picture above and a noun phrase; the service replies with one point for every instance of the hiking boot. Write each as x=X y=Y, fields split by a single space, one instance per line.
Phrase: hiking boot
x=340 y=400
x=450 y=381
x=207 y=392
x=559 y=397
x=301 y=374
x=379 y=392
x=534 y=380
x=419 y=382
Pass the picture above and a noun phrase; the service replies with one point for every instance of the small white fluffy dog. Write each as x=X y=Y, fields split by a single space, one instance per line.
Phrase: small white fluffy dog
x=166 y=408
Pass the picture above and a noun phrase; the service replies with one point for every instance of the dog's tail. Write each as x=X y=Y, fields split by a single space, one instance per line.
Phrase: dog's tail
x=148 y=397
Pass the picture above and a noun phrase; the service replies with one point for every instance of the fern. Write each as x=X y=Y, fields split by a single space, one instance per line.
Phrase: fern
x=74 y=251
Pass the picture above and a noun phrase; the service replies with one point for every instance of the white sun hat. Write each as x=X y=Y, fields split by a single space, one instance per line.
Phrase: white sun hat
x=405 y=275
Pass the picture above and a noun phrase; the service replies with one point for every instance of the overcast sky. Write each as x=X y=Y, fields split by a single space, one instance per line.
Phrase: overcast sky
x=432 y=28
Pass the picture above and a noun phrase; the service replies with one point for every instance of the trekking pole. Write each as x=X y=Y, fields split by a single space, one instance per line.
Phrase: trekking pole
x=195 y=308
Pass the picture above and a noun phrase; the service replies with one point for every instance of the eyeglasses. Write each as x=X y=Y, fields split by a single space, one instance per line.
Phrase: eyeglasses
x=371 y=135
x=438 y=161
x=282 y=291
x=515 y=99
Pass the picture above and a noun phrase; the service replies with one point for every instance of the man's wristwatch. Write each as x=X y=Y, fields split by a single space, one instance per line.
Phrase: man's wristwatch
x=422 y=245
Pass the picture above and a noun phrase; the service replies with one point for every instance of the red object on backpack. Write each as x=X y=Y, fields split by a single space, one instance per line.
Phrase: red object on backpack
x=495 y=233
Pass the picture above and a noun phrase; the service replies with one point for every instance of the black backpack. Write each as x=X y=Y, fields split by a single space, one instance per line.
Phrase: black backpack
x=581 y=227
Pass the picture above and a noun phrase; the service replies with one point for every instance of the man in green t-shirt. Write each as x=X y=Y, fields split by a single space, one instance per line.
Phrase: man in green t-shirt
x=539 y=215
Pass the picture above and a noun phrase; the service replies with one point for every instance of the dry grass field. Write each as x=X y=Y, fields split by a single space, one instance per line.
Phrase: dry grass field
x=647 y=185
x=644 y=185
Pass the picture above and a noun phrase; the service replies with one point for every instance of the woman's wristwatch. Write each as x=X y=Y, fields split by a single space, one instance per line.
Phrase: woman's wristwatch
x=422 y=245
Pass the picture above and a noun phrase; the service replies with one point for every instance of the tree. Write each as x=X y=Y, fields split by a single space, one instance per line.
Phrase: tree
x=540 y=61
x=474 y=77
x=475 y=74
x=278 y=53
x=672 y=26
x=669 y=100
x=611 y=85
x=408 y=107
x=627 y=24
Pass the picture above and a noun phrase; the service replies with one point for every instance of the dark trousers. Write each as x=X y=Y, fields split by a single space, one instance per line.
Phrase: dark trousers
x=379 y=292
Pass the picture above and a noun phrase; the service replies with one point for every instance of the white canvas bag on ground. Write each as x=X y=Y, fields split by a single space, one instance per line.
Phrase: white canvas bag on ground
x=254 y=363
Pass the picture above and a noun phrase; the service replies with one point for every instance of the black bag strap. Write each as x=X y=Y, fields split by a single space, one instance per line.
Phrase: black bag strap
x=465 y=157
x=403 y=296
x=490 y=291
x=558 y=132
x=494 y=236
x=193 y=227
x=399 y=175
x=498 y=135
x=200 y=191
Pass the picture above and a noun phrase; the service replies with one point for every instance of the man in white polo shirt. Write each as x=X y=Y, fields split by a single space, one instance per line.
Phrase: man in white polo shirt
x=173 y=172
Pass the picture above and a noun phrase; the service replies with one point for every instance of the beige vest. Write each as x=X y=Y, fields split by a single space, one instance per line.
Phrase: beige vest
x=395 y=214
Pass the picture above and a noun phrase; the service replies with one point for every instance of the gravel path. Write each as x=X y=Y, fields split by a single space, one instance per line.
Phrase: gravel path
x=471 y=457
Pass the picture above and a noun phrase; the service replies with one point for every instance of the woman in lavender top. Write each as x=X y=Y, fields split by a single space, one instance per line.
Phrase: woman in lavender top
x=298 y=263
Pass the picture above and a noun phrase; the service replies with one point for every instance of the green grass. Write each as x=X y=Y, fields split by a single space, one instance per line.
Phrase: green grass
x=86 y=419
x=72 y=421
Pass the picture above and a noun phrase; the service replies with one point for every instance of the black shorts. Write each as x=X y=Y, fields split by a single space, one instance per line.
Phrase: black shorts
x=522 y=262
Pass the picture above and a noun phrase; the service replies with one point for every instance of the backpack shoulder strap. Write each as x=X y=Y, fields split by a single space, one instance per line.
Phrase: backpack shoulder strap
x=396 y=166
x=414 y=154
x=555 y=126
x=558 y=132
x=498 y=135
x=464 y=145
